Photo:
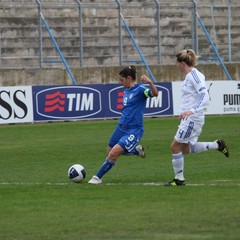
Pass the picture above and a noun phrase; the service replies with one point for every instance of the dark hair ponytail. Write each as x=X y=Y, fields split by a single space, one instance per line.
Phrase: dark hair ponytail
x=129 y=71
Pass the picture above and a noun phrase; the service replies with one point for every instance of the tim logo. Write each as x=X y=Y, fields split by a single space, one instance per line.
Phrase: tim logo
x=68 y=102
x=55 y=101
x=162 y=104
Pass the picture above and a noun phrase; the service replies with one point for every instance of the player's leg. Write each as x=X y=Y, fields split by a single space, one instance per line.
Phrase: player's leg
x=131 y=147
x=205 y=146
x=197 y=147
x=127 y=145
x=121 y=142
x=180 y=145
x=128 y=139
x=113 y=152
x=178 y=161
x=110 y=161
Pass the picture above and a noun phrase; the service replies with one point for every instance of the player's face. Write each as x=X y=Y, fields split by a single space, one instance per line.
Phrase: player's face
x=180 y=66
x=125 y=81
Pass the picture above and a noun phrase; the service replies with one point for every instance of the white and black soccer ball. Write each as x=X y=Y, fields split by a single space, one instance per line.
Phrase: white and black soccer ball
x=77 y=173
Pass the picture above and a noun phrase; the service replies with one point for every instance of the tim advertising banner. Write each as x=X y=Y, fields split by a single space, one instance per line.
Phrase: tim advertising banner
x=16 y=104
x=66 y=102
x=92 y=102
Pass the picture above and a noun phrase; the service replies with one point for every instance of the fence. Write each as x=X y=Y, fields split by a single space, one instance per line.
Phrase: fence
x=91 y=33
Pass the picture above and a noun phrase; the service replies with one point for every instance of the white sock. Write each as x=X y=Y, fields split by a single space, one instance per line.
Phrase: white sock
x=203 y=146
x=178 y=165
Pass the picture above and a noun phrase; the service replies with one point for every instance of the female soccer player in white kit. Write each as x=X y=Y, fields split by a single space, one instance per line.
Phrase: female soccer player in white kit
x=195 y=99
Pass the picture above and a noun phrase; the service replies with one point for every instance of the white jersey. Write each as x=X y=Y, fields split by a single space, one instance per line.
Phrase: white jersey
x=195 y=96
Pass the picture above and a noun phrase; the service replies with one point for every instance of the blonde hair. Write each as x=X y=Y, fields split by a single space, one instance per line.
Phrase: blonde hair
x=188 y=56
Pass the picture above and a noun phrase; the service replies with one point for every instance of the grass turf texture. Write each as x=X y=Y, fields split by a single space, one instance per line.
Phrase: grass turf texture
x=38 y=201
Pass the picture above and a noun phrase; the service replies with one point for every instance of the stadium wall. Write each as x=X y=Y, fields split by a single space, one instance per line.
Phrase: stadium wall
x=98 y=39
x=96 y=75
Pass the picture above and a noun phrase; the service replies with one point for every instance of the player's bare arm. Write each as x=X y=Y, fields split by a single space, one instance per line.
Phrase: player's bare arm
x=146 y=79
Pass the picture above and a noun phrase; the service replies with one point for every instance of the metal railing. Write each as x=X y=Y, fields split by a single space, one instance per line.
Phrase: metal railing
x=92 y=33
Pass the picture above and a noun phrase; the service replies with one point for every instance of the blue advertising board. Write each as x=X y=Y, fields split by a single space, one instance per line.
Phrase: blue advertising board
x=92 y=101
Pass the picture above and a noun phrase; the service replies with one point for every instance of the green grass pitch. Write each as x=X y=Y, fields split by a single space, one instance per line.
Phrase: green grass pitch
x=39 y=202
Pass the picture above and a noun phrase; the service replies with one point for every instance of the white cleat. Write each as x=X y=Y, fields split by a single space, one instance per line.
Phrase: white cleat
x=95 y=180
x=140 y=150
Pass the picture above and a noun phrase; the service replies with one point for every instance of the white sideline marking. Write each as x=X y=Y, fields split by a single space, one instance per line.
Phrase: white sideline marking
x=215 y=183
x=32 y=184
x=161 y=184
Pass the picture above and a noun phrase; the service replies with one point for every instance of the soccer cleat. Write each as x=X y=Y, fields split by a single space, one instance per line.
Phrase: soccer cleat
x=140 y=150
x=222 y=147
x=175 y=182
x=95 y=180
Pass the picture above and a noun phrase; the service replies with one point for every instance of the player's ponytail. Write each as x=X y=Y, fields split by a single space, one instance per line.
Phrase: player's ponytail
x=188 y=56
x=129 y=71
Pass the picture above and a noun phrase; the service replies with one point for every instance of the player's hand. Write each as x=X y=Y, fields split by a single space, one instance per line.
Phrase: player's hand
x=145 y=79
x=185 y=115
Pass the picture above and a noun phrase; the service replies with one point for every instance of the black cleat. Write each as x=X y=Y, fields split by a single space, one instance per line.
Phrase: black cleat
x=222 y=147
x=175 y=182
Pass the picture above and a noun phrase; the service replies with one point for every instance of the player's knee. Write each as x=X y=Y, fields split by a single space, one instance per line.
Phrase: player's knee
x=114 y=154
x=176 y=148
x=173 y=147
x=186 y=149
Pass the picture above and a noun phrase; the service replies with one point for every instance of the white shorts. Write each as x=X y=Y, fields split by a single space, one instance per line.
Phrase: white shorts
x=189 y=131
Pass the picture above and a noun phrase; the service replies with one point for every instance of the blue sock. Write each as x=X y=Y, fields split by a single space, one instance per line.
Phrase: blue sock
x=104 y=168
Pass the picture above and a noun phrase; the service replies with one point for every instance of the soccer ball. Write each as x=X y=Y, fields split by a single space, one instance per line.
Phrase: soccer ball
x=77 y=173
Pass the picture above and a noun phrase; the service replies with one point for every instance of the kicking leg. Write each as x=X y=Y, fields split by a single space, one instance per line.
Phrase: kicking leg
x=205 y=146
x=110 y=161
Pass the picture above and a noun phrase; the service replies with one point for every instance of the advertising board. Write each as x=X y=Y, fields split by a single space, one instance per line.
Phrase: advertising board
x=16 y=104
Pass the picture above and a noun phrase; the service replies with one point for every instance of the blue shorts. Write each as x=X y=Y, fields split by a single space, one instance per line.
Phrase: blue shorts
x=127 y=138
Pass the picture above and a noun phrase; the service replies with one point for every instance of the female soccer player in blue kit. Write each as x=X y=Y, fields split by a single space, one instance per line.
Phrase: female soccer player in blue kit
x=195 y=99
x=129 y=130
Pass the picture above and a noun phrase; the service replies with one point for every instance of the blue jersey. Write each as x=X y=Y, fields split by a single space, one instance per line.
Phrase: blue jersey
x=134 y=104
